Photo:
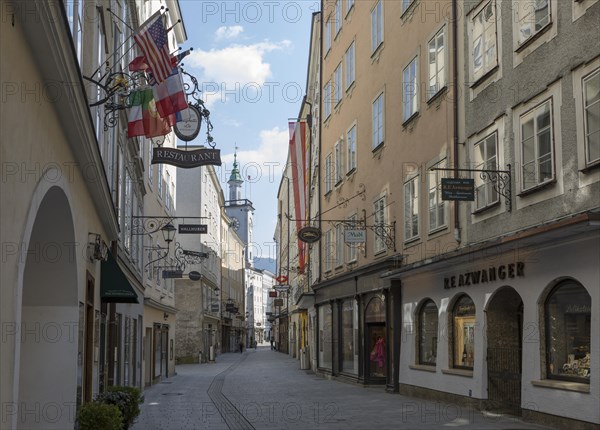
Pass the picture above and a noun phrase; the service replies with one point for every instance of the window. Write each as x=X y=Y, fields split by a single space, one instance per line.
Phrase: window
x=435 y=204
x=325 y=332
x=379 y=225
x=377 y=26
x=339 y=245
x=160 y=180
x=411 y=102
x=329 y=251
x=591 y=106
x=351 y=142
x=150 y=165
x=411 y=209
x=352 y=247
x=437 y=64
x=338 y=17
x=485 y=157
x=568 y=332
x=328 y=173
x=483 y=41
x=428 y=333
x=463 y=318
x=339 y=161
x=536 y=146
x=378 y=130
x=349 y=5
x=337 y=89
x=327 y=100
x=349 y=336
x=327 y=35
x=533 y=15
x=349 y=59
x=406 y=4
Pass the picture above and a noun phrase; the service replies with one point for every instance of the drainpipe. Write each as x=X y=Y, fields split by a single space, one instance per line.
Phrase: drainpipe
x=320 y=131
x=457 y=235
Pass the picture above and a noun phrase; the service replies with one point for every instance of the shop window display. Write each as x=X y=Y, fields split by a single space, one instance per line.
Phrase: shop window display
x=464 y=333
x=325 y=336
x=568 y=326
x=376 y=335
x=349 y=334
x=428 y=333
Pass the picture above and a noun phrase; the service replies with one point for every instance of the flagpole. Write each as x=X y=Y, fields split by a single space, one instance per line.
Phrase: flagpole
x=127 y=40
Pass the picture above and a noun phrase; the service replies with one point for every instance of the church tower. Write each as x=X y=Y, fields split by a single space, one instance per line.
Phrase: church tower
x=240 y=211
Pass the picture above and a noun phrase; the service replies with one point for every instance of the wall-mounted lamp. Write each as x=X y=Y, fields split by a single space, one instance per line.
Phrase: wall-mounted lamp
x=168 y=232
x=96 y=249
x=165 y=316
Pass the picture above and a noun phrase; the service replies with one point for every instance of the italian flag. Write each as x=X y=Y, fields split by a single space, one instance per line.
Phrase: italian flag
x=143 y=118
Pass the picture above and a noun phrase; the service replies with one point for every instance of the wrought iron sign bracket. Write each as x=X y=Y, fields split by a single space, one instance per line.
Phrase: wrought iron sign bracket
x=143 y=225
x=501 y=180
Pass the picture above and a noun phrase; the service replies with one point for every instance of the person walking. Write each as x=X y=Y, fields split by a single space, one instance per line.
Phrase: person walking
x=272 y=344
x=241 y=347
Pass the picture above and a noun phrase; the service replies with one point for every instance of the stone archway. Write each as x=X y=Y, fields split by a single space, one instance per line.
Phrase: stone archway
x=504 y=321
x=48 y=356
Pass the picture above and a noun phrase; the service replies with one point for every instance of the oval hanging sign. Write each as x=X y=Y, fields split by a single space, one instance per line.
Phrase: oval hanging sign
x=188 y=128
x=309 y=234
x=282 y=279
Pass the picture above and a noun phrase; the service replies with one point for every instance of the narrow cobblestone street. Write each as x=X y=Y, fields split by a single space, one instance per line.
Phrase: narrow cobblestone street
x=264 y=389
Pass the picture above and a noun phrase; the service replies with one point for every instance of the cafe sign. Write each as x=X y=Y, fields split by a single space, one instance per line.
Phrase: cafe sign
x=355 y=236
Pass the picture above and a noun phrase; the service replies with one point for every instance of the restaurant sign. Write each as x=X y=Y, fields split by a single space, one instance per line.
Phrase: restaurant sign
x=186 y=159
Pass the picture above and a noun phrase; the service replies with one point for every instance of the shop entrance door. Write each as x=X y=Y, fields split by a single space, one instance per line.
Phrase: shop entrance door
x=504 y=358
x=377 y=352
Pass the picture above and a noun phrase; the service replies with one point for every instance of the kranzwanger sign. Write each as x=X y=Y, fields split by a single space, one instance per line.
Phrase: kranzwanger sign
x=186 y=159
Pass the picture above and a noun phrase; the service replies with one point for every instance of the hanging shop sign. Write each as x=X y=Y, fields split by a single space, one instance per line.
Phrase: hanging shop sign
x=186 y=159
x=355 y=236
x=172 y=274
x=491 y=274
x=281 y=287
x=195 y=276
x=281 y=279
x=309 y=234
x=272 y=293
x=193 y=228
x=458 y=189
x=278 y=302
x=188 y=128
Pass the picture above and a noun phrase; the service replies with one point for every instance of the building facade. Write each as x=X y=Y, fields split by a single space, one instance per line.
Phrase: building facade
x=73 y=282
x=508 y=321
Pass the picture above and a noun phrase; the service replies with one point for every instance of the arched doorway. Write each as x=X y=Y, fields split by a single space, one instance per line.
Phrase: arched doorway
x=48 y=357
x=504 y=344
x=375 y=332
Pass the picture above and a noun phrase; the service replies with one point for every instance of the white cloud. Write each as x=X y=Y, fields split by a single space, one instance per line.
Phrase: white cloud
x=235 y=69
x=268 y=160
x=231 y=32
x=232 y=122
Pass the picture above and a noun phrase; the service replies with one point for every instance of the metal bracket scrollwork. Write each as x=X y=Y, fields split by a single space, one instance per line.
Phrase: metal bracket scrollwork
x=387 y=232
x=501 y=180
x=113 y=90
x=142 y=225
x=185 y=257
x=192 y=92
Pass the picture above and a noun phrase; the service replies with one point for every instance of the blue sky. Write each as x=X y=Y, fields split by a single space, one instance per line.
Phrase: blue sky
x=251 y=58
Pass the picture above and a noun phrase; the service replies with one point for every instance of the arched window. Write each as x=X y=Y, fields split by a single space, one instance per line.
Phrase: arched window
x=463 y=318
x=568 y=326
x=428 y=333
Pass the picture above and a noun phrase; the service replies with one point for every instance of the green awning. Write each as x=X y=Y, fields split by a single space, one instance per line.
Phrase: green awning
x=114 y=286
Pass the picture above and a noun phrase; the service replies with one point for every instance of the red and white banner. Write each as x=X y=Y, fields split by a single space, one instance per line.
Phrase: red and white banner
x=298 y=157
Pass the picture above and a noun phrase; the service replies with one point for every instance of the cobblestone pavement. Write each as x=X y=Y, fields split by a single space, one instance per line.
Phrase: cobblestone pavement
x=264 y=389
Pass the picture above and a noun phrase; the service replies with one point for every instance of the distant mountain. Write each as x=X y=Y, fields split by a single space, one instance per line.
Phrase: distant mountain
x=265 y=264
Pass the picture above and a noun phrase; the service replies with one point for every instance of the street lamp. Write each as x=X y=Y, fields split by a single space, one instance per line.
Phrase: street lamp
x=168 y=232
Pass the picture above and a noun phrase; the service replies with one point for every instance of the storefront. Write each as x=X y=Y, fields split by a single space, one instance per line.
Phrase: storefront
x=512 y=327
x=354 y=329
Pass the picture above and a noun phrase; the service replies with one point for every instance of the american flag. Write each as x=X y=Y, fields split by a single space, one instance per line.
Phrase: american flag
x=152 y=40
